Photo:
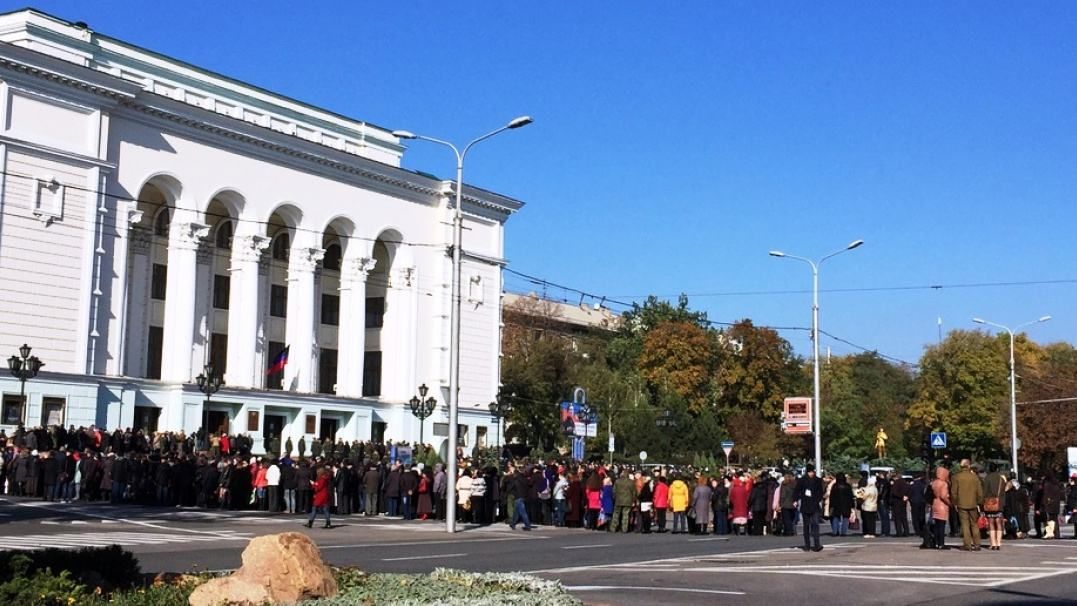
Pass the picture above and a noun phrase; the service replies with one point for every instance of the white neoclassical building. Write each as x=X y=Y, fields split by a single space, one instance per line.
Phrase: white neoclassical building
x=156 y=217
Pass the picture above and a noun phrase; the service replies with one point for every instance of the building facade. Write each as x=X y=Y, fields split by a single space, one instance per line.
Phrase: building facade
x=156 y=218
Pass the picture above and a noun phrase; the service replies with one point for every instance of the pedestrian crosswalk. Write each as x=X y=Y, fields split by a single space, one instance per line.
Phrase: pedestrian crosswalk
x=971 y=576
x=76 y=540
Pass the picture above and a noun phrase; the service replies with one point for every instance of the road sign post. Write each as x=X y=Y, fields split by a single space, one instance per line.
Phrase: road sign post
x=727 y=446
x=938 y=440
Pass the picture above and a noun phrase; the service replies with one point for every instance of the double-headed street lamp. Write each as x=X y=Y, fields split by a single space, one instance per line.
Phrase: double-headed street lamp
x=1013 y=382
x=454 y=337
x=817 y=422
x=209 y=382
x=422 y=407
x=24 y=367
x=500 y=409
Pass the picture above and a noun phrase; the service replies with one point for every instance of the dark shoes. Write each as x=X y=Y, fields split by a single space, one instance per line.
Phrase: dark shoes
x=310 y=524
x=817 y=548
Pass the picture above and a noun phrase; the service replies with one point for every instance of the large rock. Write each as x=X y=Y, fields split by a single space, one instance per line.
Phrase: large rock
x=277 y=569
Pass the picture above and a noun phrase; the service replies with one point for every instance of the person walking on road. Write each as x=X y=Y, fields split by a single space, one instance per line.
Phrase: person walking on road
x=967 y=493
x=808 y=494
x=320 y=488
x=995 y=487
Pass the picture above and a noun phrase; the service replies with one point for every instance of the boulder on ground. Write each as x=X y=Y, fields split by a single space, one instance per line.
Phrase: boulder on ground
x=277 y=569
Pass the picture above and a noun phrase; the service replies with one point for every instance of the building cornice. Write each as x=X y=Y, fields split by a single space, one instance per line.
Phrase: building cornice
x=131 y=101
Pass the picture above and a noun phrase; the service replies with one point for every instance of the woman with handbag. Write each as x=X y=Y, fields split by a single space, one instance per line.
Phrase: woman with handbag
x=995 y=486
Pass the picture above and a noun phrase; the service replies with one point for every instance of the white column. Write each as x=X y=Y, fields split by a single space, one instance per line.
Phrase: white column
x=243 y=311
x=351 y=344
x=299 y=334
x=398 y=341
x=179 y=300
x=136 y=304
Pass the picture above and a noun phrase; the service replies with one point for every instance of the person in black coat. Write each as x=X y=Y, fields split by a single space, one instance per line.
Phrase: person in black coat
x=288 y=484
x=303 y=478
x=841 y=505
x=50 y=473
x=809 y=496
x=758 y=505
x=918 y=504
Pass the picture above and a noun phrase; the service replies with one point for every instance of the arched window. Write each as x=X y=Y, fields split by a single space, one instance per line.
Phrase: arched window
x=224 y=235
x=282 y=246
x=332 y=257
x=161 y=223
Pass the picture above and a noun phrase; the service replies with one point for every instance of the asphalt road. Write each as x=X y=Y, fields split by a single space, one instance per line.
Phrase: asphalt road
x=599 y=567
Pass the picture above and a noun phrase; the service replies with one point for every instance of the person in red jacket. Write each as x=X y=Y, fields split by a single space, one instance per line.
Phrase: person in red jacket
x=320 y=487
x=661 y=502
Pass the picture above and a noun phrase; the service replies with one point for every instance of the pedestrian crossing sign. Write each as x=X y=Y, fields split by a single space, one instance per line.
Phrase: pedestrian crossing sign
x=938 y=439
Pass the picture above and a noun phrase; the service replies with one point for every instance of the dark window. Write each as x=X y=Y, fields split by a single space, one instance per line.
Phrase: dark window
x=159 y=281
x=218 y=352
x=278 y=301
x=273 y=381
x=327 y=371
x=13 y=410
x=154 y=345
x=160 y=224
x=221 y=291
x=224 y=235
x=375 y=312
x=281 y=247
x=332 y=258
x=372 y=374
x=330 y=310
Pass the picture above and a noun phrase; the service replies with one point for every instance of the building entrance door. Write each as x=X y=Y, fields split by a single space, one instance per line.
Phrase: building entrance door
x=274 y=428
x=329 y=429
x=146 y=418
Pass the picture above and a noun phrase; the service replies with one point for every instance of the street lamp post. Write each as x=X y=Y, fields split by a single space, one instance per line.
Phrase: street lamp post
x=817 y=422
x=209 y=382
x=24 y=367
x=1013 y=383
x=422 y=407
x=454 y=337
x=500 y=409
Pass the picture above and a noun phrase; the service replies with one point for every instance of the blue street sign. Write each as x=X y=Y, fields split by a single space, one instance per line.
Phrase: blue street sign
x=938 y=439
x=727 y=444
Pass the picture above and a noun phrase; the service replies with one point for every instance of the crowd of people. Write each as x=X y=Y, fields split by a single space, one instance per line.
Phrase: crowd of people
x=372 y=479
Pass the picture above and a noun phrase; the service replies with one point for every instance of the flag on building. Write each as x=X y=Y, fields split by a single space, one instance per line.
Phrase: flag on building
x=278 y=363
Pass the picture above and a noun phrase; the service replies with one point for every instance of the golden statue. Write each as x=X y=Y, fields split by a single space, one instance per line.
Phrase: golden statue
x=880 y=443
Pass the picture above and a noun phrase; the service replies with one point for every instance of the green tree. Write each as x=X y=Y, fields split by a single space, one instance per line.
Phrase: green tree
x=963 y=389
x=862 y=393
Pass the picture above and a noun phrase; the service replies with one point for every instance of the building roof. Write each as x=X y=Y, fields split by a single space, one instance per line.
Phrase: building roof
x=582 y=316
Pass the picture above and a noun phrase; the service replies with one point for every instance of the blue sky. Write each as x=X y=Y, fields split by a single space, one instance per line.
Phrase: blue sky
x=673 y=147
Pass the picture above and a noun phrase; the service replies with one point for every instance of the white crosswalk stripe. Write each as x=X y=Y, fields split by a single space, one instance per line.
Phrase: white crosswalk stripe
x=75 y=540
x=973 y=576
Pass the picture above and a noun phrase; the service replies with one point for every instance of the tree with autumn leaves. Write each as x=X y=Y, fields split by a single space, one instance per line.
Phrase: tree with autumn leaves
x=676 y=385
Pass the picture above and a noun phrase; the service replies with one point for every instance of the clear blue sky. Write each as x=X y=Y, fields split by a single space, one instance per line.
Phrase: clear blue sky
x=673 y=147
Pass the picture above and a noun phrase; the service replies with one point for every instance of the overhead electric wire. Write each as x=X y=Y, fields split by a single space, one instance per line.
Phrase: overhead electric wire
x=111 y=221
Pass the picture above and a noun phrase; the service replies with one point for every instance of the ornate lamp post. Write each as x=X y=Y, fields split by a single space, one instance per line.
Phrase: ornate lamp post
x=422 y=407
x=24 y=367
x=209 y=382
x=500 y=409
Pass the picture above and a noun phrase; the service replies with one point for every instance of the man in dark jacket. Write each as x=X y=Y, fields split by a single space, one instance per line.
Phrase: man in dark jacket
x=918 y=503
x=899 y=500
x=303 y=477
x=371 y=483
x=409 y=491
x=809 y=496
x=50 y=472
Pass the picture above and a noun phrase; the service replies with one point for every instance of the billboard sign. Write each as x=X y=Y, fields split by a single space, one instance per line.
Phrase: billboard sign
x=575 y=420
x=797 y=416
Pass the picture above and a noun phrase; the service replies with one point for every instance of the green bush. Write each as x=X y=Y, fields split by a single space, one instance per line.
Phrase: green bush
x=106 y=567
x=40 y=588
